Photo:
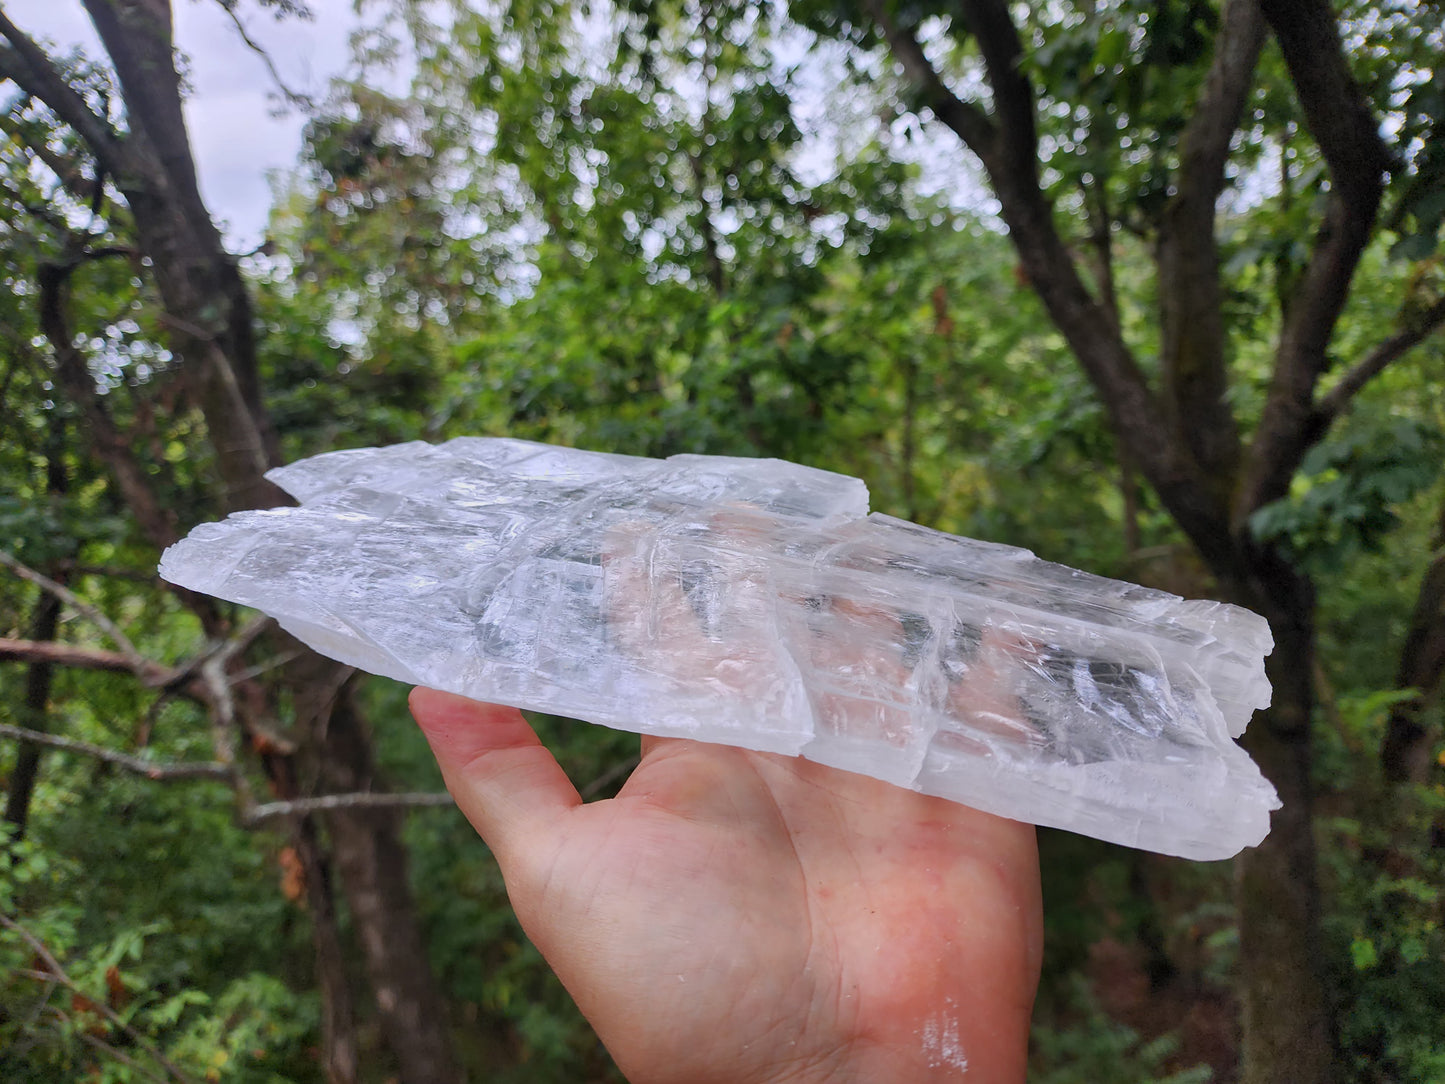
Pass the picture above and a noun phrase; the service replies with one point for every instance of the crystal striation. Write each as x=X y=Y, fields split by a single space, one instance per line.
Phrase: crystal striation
x=757 y=603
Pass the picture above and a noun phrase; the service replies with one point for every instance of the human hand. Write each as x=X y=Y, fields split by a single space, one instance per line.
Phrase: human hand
x=746 y=918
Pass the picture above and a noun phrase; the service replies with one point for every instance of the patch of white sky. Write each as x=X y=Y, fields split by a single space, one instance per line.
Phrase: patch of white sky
x=245 y=137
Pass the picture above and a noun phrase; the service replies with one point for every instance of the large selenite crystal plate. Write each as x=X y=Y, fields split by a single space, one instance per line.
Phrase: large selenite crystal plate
x=757 y=603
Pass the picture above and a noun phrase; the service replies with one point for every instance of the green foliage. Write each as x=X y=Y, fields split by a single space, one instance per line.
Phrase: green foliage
x=1344 y=500
x=1385 y=927
x=1098 y=1048
x=159 y=963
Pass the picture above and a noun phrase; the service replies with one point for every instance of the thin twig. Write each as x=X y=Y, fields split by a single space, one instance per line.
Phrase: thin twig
x=71 y=599
x=177 y=769
x=151 y=674
x=125 y=1059
x=610 y=776
x=1337 y=399
x=302 y=101
x=265 y=666
x=332 y=802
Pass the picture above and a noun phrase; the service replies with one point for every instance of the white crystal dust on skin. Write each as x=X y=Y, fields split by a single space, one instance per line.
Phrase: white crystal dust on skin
x=757 y=603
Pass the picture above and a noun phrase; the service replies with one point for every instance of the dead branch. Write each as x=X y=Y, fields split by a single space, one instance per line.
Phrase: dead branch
x=75 y=602
x=328 y=803
x=152 y=674
x=296 y=98
x=151 y=769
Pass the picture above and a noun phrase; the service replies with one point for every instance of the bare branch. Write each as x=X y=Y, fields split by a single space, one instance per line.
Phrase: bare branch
x=151 y=769
x=1338 y=398
x=330 y=802
x=75 y=602
x=223 y=727
x=152 y=674
x=57 y=973
x=301 y=101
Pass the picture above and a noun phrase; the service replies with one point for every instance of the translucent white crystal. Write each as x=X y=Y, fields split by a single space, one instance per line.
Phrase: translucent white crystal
x=757 y=603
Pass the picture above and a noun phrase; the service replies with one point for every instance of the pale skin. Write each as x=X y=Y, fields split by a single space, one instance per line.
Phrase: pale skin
x=747 y=918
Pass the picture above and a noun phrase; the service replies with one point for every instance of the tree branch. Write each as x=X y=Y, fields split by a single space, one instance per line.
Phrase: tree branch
x=1405 y=752
x=1014 y=122
x=331 y=802
x=1338 y=398
x=67 y=596
x=25 y=64
x=301 y=101
x=1348 y=136
x=1006 y=144
x=970 y=123
x=1192 y=341
x=151 y=769
x=152 y=674
x=137 y=35
x=67 y=171
x=109 y=443
x=1338 y=115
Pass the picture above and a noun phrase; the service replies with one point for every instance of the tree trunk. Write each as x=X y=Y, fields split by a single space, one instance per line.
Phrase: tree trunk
x=39 y=675
x=208 y=318
x=368 y=852
x=1287 y=1014
x=338 y=1017
x=37 y=702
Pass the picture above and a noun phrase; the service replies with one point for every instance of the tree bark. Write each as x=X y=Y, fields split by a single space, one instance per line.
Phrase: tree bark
x=338 y=1016
x=1191 y=299
x=1184 y=442
x=1288 y=1031
x=40 y=673
x=373 y=866
x=38 y=676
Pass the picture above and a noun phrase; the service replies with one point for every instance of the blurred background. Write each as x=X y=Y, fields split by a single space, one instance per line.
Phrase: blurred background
x=1150 y=288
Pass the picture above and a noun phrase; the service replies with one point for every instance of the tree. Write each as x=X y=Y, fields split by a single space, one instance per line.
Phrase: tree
x=1138 y=118
x=119 y=146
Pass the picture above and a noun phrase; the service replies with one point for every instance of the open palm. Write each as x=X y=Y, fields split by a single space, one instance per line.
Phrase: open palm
x=742 y=917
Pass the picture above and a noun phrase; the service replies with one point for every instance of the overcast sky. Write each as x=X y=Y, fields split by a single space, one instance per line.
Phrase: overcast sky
x=237 y=139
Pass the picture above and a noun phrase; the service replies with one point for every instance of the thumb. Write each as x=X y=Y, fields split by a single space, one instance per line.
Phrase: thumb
x=504 y=780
